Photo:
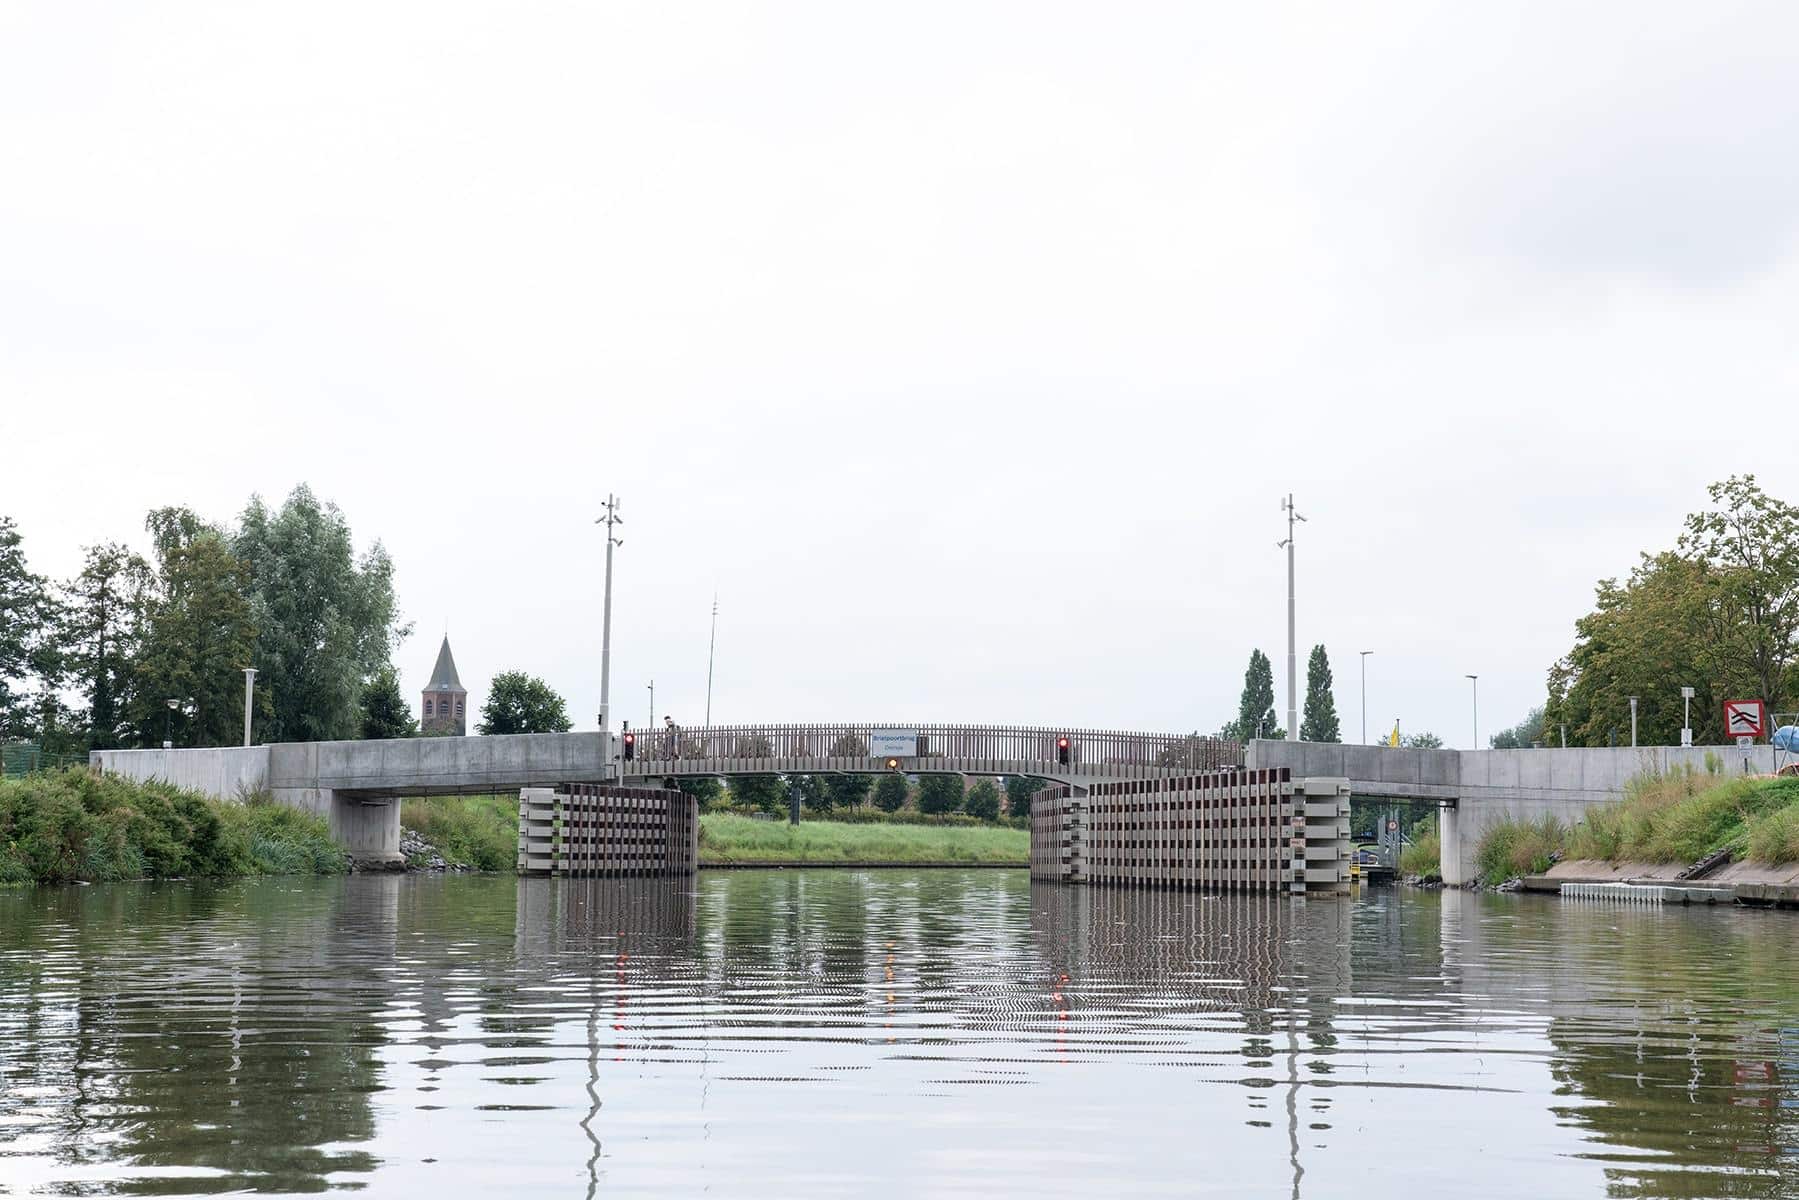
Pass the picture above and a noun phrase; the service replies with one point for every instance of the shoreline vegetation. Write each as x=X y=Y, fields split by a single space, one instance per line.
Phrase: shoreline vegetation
x=728 y=839
x=1680 y=817
x=74 y=826
x=480 y=833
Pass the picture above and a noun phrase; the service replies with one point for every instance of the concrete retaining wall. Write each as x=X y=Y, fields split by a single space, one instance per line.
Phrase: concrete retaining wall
x=226 y=772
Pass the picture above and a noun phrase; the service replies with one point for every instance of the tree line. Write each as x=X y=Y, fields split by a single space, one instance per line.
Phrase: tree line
x=888 y=792
x=1718 y=612
x=92 y=662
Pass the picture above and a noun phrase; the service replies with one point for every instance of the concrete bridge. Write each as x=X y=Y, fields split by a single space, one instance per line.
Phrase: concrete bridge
x=357 y=785
x=1475 y=788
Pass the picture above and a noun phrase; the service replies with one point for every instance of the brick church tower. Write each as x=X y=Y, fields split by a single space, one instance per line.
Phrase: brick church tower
x=445 y=698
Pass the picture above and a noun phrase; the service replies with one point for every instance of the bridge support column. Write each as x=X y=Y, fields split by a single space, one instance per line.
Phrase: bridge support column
x=1449 y=839
x=368 y=827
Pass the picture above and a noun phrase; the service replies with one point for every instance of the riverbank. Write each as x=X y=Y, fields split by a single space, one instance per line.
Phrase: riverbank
x=72 y=826
x=729 y=840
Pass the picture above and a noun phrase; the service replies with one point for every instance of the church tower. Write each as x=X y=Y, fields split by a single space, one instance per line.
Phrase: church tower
x=445 y=698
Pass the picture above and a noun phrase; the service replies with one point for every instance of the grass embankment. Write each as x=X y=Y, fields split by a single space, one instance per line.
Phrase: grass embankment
x=730 y=840
x=1676 y=818
x=1423 y=858
x=468 y=831
x=70 y=825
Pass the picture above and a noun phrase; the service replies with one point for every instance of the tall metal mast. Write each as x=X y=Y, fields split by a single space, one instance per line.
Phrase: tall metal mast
x=611 y=520
x=711 y=648
x=1292 y=650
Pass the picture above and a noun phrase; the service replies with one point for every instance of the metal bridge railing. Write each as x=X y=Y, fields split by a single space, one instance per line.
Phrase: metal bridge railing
x=1092 y=748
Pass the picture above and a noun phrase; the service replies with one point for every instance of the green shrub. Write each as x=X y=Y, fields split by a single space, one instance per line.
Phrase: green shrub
x=1679 y=818
x=1773 y=838
x=1509 y=848
x=469 y=831
x=75 y=825
x=1424 y=857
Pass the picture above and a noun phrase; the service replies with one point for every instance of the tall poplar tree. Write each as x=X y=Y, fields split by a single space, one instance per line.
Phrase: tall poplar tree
x=1320 y=721
x=1255 y=711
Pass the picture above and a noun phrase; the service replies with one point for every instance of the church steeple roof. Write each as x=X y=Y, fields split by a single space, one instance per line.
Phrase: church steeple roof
x=443 y=676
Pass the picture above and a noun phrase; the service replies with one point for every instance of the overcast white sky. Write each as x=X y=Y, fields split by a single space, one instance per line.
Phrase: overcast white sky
x=965 y=349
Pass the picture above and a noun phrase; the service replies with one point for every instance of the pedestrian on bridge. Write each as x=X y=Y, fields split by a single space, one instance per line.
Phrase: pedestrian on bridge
x=674 y=736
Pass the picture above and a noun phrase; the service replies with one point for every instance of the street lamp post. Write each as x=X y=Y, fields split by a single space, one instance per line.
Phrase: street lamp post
x=168 y=721
x=1365 y=655
x=1475 y=680
x=1686 y=720
x=652 y=721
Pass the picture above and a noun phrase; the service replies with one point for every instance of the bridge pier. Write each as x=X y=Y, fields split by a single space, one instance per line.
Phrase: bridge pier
x=367 y=827
x=1449 y=841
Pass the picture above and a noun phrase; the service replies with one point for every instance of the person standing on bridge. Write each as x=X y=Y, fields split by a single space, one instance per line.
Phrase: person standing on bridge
x=674 y=736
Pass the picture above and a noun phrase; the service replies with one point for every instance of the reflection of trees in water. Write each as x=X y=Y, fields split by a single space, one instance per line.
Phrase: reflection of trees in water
x=1685 y=1032
x=230 y=1031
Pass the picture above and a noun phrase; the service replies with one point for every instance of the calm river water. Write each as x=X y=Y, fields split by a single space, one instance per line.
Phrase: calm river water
x=886 y=1033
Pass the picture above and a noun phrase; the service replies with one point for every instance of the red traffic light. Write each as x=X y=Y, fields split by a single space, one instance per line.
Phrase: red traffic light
x=1062 y=750
x=630 y=746
x=1061 y=743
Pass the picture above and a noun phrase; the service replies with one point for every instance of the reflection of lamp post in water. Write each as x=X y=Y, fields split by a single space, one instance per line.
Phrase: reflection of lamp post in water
x=168 y=742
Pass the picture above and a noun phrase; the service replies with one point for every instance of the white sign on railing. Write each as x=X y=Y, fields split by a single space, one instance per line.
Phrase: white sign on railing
x=892 y=743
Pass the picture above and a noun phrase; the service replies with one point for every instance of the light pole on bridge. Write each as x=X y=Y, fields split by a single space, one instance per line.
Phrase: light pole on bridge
x=1475 y=680
x=611 y=520
x=1292 y=651
x=1365 y=655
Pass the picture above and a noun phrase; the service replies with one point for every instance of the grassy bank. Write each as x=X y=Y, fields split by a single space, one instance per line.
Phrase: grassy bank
x=1676 y=818
x=67 y=826
x=727 y=839
x=1423 y=858
x=468 y=831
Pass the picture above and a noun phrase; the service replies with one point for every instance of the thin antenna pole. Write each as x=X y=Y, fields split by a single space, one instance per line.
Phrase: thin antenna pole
x=610 y=521
x=1292 y=650
x=711 y=649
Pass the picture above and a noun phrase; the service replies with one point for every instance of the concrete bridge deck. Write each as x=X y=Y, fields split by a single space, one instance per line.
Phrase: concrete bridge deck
x=356 y=784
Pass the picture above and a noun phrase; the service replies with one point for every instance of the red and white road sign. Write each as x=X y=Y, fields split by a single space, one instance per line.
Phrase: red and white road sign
x=1745 y=718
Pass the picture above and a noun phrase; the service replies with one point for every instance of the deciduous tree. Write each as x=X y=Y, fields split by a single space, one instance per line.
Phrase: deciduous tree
x=26 y=610
x=890 y=793
x=521 y=703
x=939 y=793
x=198 y=638
x=326 y=619
x=1019 y=790
x=1523 y=735
x=385 y=712
x=103 y=618
x=983 y=800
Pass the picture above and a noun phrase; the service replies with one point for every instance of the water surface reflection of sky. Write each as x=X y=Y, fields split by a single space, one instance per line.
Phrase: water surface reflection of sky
x=793 y=1033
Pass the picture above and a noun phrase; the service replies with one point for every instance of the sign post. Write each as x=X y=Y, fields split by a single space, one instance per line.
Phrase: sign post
x=1686 y=723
